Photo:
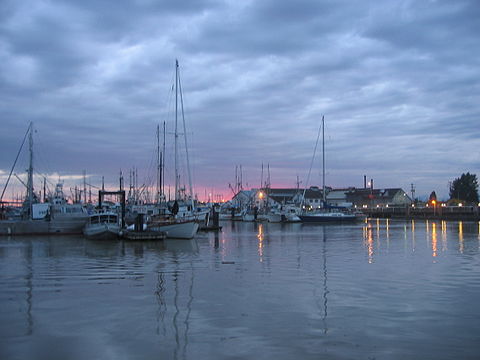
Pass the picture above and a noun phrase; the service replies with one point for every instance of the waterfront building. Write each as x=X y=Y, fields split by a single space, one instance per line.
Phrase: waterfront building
x=367 y=197
x=342 y=197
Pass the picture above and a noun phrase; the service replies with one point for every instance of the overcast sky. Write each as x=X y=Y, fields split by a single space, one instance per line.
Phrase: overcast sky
x=397 y=81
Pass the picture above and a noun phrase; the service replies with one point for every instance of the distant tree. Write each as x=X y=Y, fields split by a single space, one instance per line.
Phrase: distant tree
x=465 y=188
x=433 y=196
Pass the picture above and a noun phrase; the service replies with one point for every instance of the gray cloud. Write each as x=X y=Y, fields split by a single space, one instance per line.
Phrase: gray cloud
x=398 y=83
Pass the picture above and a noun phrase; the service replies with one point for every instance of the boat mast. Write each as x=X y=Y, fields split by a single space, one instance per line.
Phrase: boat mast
x=311 y=164
x=323 y=161
x=176 y=130
x=15 y=162
x=186 y=144
x=162 y=167
x=30 y=174
x=159 y=176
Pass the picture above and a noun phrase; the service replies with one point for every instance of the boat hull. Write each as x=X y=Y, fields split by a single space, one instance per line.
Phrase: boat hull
x=178 y=230
x=102 y=232
x=274 y=218
x=327 y=217
x=42 y=227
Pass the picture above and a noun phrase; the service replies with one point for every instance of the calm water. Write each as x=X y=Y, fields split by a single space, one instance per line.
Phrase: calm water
x=376 y=290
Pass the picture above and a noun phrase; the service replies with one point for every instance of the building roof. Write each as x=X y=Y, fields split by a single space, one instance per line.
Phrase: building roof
x=368 y=194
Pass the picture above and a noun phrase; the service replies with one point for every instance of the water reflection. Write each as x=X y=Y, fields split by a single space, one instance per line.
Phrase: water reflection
x=388 y=230
x=216 y=240
x=434 y=239
x=190 y=306
x=460 y=237
x=413 y=235
x=325 y=288
x=444 y=235
x=260 y=237
x=437 y=235
x=29 y=294
x=181 y=245
x=180 y=291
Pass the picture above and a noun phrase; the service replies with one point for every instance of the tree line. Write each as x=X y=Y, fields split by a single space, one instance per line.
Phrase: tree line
x=465 y=188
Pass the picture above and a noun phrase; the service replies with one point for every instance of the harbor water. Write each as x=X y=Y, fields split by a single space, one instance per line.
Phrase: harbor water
x=379 y=289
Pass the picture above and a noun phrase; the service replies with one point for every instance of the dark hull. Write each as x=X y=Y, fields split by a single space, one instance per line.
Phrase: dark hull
x=42 y=227
x=327 y=218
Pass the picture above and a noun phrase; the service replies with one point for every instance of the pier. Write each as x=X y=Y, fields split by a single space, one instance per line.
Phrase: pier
x=455 y=213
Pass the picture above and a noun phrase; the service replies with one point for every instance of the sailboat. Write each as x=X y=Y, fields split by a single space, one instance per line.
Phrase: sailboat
x=182 y=223
x=326 y=213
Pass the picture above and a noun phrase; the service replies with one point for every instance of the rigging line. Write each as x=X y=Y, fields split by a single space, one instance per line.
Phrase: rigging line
x=45 y=176
x=40 y=159
x=18 y=178
x=311 y=163
x=15 y=162
x=190 y=156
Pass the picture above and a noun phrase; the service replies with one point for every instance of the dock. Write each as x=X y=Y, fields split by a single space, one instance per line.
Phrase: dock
x=454 y=213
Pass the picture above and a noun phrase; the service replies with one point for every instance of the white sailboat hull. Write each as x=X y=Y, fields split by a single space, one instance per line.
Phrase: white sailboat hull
x=178 y=230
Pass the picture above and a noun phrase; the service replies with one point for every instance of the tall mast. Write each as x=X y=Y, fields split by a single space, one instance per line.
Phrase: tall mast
x=159 y=174
x=85 y=186
x=176 y=129
x=30 y=174
x=186 y=146
x=323 y=160
x=261 y=178
x=162 y=170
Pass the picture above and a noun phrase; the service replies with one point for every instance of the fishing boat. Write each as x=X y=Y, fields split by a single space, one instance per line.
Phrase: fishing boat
x=326 y=213
x=55 y=216
x=102 y=226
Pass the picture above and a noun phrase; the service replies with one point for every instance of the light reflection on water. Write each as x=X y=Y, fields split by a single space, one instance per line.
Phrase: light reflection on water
x=383 y=289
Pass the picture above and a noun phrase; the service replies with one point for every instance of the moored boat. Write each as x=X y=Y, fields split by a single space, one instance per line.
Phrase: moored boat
x=55 y=216
x=321 y=217
x=326 y=213
x=102 y=226
x=174 y=228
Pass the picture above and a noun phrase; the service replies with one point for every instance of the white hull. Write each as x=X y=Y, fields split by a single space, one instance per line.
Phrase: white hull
x=274 y=218
x=292 y=218
x=179 y=230
x=101 y=231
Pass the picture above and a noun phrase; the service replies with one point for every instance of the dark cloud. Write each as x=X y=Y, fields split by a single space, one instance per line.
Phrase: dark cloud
x=397 y=82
